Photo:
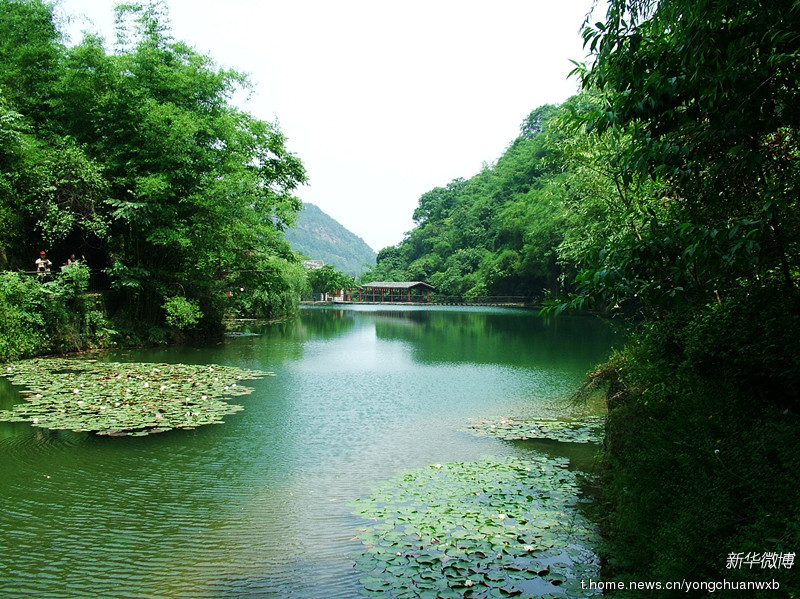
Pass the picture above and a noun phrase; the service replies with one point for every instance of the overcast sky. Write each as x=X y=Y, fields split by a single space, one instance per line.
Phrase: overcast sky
x=382 y=101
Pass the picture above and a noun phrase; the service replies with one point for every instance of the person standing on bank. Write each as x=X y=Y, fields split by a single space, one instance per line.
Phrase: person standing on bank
x=43 y=265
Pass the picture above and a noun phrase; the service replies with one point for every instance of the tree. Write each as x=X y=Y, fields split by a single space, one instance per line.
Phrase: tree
x=496 y=232
x=199 y=189
x=328 y=280
x=48 y=186
x=702 y=99
x=30 y=58
x=692 y=130
x=437 y=203
x=140 y=156
x=536 y=121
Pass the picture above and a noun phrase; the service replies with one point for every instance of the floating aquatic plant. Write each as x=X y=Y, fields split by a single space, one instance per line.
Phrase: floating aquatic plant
x=112 y=398
x=588 y=430
x=493 y=528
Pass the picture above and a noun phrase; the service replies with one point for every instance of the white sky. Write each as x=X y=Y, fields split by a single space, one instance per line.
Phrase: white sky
x=382 y=101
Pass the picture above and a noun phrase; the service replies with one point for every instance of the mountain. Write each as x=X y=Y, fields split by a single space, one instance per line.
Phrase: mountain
x=320 y=237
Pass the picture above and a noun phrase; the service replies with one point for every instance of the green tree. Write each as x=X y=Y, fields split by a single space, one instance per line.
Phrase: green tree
x=328 y=280
x=30 y=58
x=497 y=232
x=140 y=157
x=199 y=190
x=437 y=203
x=48 y=186
x=702 y=99
x=390 y=265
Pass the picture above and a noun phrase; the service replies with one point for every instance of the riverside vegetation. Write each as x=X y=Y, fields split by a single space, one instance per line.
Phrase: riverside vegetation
x=665 y=194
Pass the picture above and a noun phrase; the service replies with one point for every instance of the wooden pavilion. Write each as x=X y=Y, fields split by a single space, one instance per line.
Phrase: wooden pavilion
x=398 y=291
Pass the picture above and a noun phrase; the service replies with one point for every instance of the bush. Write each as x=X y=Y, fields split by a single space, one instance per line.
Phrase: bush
x=73 y=281
x=751 y=340
x=21 y=320
x=57 y=316
x=182 y=313
x=272 y=293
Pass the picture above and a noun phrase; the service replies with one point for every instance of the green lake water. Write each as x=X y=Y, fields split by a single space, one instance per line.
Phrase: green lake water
x=257 y=507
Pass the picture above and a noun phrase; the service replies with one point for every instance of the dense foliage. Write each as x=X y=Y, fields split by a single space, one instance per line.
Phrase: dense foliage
x=701 y=100
x=328 y=280
x=701 y=448
x=138 y=160
x=55 y=316
x=495 y=233
x=665 y=193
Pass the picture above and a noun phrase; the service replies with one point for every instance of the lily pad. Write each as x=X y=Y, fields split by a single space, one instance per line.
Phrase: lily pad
x=471 y=528
x=587 y=430
x=117 y=399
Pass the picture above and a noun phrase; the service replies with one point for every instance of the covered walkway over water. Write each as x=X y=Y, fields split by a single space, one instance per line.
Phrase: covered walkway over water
x=393 y=291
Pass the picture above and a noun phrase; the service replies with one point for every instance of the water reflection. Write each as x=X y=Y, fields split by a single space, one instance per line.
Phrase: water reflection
x=509 y=337
x=257 y=506
x=9 y=395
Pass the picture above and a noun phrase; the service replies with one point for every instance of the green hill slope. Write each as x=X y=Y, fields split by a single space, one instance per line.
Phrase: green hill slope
x=320 y=237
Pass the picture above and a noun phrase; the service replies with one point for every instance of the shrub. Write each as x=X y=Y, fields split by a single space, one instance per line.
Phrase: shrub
x=702 y=445
x=57 y=316
x=21 y=320
x=73 y=281
x=182 y=313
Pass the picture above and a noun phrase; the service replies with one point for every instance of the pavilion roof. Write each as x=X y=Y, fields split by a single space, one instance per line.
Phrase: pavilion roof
x=397 y=285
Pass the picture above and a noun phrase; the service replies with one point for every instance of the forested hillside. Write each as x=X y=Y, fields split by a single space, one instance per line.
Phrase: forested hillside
x=136 y=159
x=496 y=233
x=319 y=237
x=698 y=119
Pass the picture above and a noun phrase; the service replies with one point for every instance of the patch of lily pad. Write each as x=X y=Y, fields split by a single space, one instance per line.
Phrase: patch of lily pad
x=493 y=528
x=587 y=430
x=112 y=398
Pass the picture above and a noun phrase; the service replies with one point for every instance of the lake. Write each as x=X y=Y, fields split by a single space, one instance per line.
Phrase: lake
x=258 y=506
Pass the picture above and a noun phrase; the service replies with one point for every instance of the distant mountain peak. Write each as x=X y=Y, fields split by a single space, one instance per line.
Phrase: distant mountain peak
x=319 y=237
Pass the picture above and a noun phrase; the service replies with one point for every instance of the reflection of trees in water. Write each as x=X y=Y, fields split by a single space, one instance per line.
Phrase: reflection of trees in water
x=9 y=394
x=326 y=323
x=268 y=343
x=286 y=339
x=513 y=337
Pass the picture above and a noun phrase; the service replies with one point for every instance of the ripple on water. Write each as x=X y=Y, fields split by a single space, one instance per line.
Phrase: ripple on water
x=258 y=507
x=32 y=446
